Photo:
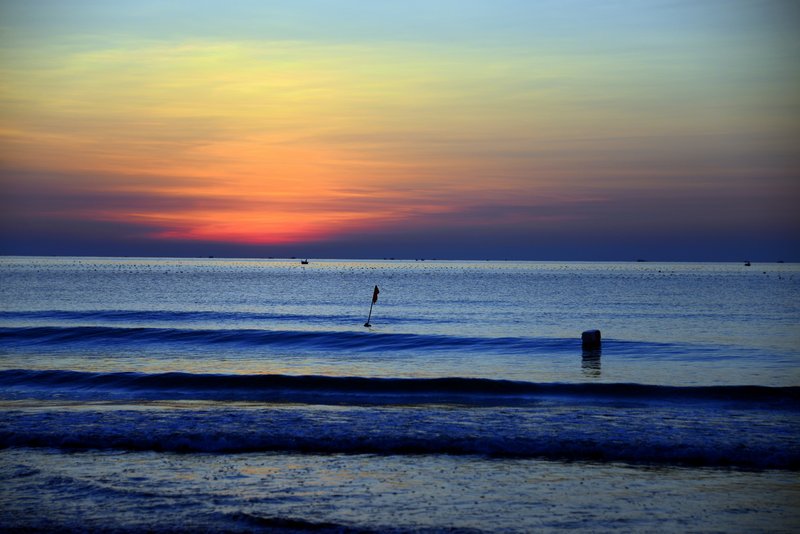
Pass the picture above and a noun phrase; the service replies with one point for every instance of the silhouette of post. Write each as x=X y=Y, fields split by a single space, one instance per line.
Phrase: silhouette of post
x=590 y=340
x=374 y=300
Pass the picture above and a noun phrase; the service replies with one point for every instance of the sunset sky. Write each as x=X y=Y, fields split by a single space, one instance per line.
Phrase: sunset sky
x=553 y=129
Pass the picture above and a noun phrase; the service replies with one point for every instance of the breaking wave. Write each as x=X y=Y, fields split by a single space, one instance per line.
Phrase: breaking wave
x=337 y=389
x=660 y=436
x=322 y=340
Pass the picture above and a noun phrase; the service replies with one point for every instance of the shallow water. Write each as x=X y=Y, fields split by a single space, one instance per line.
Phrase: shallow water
x=253 y=491
x=247 y=394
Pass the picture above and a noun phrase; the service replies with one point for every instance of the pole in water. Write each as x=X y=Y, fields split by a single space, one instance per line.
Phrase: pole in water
x=374 y=300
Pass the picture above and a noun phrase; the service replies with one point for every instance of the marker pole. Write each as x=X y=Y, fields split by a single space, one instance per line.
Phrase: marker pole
x=374 y=300
x=370 y=314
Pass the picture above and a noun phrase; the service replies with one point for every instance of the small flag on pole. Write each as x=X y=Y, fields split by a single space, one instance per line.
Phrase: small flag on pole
x=374 y=300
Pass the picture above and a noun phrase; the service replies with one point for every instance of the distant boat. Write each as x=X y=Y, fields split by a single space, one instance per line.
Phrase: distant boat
x=303 y=262
x=747 y=264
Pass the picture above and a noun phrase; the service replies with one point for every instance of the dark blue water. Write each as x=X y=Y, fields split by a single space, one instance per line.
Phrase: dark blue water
x=476 y=361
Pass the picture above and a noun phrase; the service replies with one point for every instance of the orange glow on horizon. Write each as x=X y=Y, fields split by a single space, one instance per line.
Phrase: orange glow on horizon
x=252 y=228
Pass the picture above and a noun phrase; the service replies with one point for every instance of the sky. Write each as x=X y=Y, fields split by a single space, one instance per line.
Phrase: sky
x=452 y=129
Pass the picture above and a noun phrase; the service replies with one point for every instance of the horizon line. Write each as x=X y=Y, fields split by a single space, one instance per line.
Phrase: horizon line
x=420 y=259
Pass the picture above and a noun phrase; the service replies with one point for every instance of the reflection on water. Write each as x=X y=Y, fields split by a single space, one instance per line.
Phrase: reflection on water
x=590 y=363
x=339 y=493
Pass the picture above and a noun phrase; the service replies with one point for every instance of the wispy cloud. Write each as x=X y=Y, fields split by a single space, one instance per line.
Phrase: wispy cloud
x=266 y=123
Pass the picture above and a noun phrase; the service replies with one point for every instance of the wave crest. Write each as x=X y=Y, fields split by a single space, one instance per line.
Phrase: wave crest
x=307 y=339
x=277 y=387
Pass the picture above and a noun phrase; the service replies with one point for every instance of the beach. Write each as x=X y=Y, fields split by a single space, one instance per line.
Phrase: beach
x=243 y=395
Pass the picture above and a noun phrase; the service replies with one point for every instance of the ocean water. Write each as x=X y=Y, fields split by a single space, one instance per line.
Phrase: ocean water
x=246 y=395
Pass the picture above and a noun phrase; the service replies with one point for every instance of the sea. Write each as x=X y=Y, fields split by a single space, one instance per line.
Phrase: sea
x=247 y=395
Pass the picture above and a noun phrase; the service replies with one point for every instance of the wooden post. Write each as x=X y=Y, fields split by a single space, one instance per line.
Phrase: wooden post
x=590 y=340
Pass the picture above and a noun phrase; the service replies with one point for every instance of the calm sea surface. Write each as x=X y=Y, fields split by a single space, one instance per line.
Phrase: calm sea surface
x=243 y=395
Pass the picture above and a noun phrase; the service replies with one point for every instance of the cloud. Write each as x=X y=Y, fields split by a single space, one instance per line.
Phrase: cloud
x=265 y=124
